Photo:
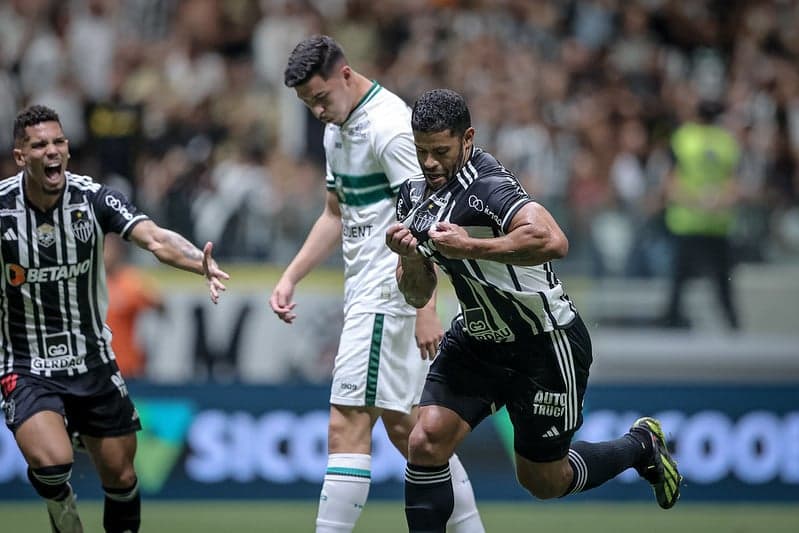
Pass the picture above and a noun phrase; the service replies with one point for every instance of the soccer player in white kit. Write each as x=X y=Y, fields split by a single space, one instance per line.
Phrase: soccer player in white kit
x=386 y=345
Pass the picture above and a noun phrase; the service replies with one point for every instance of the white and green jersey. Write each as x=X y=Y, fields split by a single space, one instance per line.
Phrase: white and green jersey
x=368 y=158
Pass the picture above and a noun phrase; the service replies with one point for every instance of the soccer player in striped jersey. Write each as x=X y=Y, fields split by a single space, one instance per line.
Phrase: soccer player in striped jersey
x=58 y=373
x=385 y=344
x=518 y=342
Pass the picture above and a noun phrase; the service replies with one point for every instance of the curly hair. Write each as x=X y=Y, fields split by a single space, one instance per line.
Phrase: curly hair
x=30 y=116
x=441 y=110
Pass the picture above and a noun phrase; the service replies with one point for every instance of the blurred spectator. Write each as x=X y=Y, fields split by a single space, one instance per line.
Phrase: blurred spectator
x=130 y=294
x=702 y=196
x=578 y=95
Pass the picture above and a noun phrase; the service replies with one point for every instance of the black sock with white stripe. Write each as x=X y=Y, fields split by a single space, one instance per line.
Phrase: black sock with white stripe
x=594 y=463
x=122 y=509
x=429 y=499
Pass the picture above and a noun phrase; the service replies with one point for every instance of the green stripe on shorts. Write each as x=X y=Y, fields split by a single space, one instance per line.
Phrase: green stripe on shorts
x=374 y=360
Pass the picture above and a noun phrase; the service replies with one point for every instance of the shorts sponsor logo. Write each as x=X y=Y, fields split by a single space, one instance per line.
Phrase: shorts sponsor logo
x=549 y=403
x=351 y=387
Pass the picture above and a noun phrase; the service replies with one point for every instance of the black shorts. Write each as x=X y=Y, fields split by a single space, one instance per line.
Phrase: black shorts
x=95 y=403
x=541 y=380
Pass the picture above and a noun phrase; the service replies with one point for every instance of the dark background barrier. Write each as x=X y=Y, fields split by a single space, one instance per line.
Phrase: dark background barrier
x=733 y=442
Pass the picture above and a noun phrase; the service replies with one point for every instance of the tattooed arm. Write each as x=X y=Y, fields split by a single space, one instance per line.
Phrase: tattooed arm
x=173 y=249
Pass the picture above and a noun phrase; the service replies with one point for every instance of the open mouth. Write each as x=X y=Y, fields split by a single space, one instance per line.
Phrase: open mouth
x=53 y=171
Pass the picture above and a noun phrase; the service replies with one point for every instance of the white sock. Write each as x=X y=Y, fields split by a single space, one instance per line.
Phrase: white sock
x=465 y=518
x=344 y=492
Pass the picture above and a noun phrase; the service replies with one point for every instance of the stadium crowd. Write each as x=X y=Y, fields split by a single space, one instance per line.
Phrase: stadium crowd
x=182 y=103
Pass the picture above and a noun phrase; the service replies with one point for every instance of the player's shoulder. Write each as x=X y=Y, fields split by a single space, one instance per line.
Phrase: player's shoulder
x=10 y=184
x=388 y=114
x=82 y=182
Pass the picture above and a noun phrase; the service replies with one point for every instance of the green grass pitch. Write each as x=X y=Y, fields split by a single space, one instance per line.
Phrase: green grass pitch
x=387 y=517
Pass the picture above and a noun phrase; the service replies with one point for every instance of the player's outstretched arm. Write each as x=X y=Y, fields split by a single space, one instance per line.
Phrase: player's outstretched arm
x=173 y=249
x=319 y=244
x=416 y=275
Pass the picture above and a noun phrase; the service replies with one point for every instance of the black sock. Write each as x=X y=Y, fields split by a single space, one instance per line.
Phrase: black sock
x=122 y=510
x=594 y=463
x=51 y=482
x=428 y=498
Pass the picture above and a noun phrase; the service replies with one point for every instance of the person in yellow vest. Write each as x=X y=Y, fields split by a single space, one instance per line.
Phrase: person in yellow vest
x=701 y=200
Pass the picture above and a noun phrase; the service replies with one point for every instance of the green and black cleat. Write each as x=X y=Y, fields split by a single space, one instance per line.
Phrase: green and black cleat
x=660 y=470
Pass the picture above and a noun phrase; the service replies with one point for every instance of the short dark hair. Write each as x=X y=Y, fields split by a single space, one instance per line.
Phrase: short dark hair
x=440 y=110
x=318 y=54
x=30 y=116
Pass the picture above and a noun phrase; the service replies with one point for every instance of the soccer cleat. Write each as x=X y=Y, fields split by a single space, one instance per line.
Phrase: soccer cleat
x=660 y=470
x=64 y=516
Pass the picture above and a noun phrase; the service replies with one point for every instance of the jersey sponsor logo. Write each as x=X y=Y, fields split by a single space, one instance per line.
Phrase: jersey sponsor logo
x=16 y=275
x=58 y=354
x=357 y=232
x=548 y=403
x=477 y=326
x=81 y=225
x=478 y=205
x=45 y=235
x=116 y=204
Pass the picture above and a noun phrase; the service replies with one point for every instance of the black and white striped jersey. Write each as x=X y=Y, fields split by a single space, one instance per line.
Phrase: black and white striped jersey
x=54 y=299
x=499 y=302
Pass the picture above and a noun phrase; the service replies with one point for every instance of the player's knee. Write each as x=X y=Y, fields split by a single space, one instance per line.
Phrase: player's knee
x=540 y=486
x=125 y=477
x=50 y=482
x=428 y=445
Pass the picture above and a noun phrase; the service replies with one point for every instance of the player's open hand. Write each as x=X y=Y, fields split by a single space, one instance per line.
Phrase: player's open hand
x=450 y=240
x=400 y=240
x=213 y=274
x=281 y=301
x=429 y=332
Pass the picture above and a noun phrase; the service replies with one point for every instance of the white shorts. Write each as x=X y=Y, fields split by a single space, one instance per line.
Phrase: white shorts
x=378 y=363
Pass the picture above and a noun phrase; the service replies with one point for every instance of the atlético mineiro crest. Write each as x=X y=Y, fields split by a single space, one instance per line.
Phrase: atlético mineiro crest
x=81 y=226
x=422 y=220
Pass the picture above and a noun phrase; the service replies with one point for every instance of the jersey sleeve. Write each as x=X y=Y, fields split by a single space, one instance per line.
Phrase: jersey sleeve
x=499 y=197
x=115 y=212
x=397 y=155
x=404 y=201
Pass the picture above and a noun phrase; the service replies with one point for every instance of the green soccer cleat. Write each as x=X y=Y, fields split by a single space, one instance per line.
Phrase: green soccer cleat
x=660 y=470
